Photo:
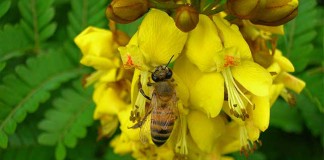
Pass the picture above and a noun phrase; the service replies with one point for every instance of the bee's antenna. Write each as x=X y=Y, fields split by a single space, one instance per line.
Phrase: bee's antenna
x=169 y=61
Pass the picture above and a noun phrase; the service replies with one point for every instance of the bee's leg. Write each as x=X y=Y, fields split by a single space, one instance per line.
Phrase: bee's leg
x=142 y=92
x=150 y=84
x=140 y=123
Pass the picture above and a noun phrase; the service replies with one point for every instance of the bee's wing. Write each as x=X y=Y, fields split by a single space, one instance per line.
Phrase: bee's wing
x=145 y=131
x=164 y=113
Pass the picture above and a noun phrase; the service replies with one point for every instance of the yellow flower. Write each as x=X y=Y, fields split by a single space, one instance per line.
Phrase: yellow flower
x=205 y=131
x=225 y=52
x=156 y=41
x=283 y=80
x=112 y=94
x=205 y=89
x=98 y=48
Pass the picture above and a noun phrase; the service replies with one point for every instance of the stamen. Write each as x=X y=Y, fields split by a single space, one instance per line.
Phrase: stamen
x=181 y=146
x=237 y=107
x=247 y=146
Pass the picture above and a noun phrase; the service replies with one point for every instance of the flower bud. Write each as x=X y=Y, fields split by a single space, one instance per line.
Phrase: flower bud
x=126 y=11
x=245 y=9
x=186 y=18
x=265 y=12
x=277 y=13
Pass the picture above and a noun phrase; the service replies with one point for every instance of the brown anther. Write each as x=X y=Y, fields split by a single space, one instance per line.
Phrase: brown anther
x=243 y=118
x=232 y=111
x=273 y=73
x=291 y=99
x=236 y=114
x=234 y=105
x=259 y=142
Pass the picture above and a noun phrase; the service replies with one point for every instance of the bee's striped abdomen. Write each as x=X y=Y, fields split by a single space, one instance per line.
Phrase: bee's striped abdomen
x=161 y=125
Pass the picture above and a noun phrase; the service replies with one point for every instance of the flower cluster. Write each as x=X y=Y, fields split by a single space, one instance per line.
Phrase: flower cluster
x=198 y=84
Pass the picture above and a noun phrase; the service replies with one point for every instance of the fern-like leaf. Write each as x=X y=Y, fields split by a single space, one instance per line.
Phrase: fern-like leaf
x=84 y=13
x=23 y=91
x=4 y=7
x=37 y=16
x=68 y=120
x=23 y=144
x=12 y=42
x=300 y=32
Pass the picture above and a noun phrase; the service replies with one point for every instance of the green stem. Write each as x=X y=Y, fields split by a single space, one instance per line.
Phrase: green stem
x=196 y=4
x=210 y=10
x=163 y=5
x=209 y=6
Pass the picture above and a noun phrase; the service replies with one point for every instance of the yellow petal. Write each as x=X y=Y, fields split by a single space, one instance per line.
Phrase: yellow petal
x=159 y=38
x=180 y=70
x=132 y=57
x=205 y=131
x=121 y=144
x=291 y=82
x=109 y=125
x=97 y=42
x=181 y=67
x=208 y=93
x=206 y=89
x=275 y=91
x=284 y=62
x=181 y=89
x=125 y=123
x=203 y=44
x=252 y=131
x=232 y=38
x=253 y=77
x=107 y=100
x=275 y=69
x=134 y=86
x=230 y=140
x=99 y=63
x=261 y=113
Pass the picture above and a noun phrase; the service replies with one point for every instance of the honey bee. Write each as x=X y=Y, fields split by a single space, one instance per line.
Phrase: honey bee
x=163 y=105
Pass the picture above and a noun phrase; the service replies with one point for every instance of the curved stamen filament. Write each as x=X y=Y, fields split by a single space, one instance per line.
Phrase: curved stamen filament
x=237 y=107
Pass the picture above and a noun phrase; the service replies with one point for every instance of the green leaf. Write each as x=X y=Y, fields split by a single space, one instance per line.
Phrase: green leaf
x=23 y=91
x=285 y=117
x=23 y=143
x=3 y=139
x=12 y=41
x=4 y=7
x=60 y=152
x=83 y=14
x=2 y=66
x=37 y=20
x=311 y=101
x=64 y=124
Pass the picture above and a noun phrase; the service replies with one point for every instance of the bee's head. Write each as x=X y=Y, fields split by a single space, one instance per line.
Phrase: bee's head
x=161 y=73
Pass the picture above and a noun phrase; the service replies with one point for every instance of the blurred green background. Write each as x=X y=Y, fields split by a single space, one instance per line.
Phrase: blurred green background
x=37 y=35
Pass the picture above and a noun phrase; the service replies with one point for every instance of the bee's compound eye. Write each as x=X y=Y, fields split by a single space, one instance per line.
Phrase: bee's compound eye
x=154 y=77
x=169 y=74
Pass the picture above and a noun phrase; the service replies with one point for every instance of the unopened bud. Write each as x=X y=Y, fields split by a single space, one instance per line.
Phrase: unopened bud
x=265 y=12
x=186 y=18
x=245 y=9
x=275 y=14
x=126 y=11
